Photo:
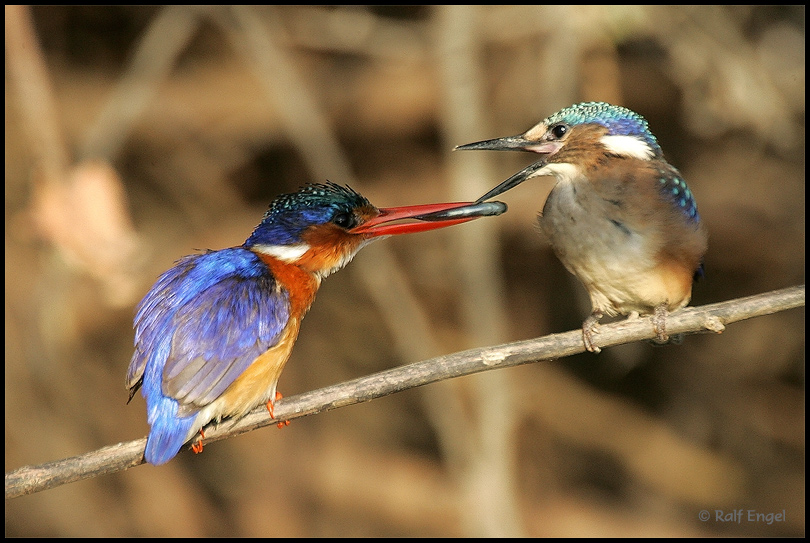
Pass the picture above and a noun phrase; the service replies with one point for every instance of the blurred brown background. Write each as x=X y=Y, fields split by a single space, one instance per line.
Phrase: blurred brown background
x=136 y=135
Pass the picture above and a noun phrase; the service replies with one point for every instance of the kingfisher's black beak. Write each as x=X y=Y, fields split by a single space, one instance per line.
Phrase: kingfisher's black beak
x=515 y=180
x=478 y=209
x=430 y=216
x=514 y=143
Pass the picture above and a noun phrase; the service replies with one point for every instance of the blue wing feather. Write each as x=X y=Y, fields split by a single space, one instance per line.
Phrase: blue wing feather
x=674 y=188
x=197 y=330
x=218 y=334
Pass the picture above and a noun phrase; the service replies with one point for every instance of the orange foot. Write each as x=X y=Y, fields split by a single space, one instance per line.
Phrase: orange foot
x=198 y=446
x=270 y=409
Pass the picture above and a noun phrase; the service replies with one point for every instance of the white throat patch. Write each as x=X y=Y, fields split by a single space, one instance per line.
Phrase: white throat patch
x=285 y=253
x=563 y=171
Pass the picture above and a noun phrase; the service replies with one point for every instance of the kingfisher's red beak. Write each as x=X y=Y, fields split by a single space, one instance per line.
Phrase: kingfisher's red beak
x=430 y=217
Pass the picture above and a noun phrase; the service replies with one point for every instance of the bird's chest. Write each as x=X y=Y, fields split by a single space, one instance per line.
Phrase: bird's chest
x=596 y=233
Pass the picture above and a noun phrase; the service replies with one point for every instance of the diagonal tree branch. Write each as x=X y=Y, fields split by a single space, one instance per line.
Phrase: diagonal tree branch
x=690 y=320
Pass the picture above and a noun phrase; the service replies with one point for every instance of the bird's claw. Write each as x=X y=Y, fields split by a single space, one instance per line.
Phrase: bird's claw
x=270 y=405
x=197 y=447
x=590 y=328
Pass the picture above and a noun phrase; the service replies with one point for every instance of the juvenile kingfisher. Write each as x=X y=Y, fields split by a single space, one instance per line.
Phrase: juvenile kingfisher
x=214 y=332
x=620 y=217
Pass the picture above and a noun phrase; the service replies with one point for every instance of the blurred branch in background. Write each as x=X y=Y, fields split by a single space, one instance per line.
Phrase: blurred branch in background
x=153 y=59
x=486 y=464
x=186 y=121
x=32 y=86
x=81 y=208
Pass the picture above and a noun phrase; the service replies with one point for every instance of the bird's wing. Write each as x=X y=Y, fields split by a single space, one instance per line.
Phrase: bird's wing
x=674 y=189
x=204 y=322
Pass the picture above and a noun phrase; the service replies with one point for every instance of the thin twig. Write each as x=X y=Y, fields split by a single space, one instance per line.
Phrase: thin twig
x=708 y=318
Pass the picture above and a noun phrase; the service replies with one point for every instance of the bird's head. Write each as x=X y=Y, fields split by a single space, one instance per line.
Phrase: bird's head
x=574 y=137
x=322 y=226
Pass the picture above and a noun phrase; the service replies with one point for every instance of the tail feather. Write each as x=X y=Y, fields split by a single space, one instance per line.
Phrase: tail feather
x=168 y=433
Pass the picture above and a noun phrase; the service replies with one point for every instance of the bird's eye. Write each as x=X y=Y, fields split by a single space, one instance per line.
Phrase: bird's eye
x=345 y=220
x=559 y=130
